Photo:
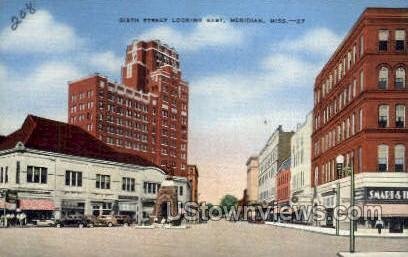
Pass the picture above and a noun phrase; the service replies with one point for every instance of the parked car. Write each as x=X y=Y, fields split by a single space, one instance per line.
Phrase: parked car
x=44 y=222
x=72 y=221
x=102 y=220
x=124 y=220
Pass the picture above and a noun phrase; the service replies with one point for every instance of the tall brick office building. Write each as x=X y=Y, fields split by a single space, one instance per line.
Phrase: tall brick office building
x=360 y=110
x=146 y=114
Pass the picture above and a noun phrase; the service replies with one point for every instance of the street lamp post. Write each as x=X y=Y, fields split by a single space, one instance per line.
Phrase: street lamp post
x=348 y=170
x=337 y=190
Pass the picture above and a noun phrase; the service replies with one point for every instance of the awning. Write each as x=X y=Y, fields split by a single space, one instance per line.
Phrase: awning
x=37 y=204
x=390 y=210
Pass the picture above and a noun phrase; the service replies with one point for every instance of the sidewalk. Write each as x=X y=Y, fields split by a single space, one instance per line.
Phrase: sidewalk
x=373 y=254
x=342 y=232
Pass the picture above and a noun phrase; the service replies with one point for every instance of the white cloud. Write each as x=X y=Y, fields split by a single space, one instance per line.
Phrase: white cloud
x=321 y=41
x=205 y=34
x=106 y=61
x=39 y=33
x=42 y=92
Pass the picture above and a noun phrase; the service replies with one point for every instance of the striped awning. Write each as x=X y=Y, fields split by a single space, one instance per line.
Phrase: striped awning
x=37 y=204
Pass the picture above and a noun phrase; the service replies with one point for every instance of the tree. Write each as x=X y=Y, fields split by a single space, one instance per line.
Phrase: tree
x=227 y=202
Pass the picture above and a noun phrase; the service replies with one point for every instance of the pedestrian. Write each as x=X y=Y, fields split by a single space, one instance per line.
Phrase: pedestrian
x=379 y=224
x=23 y=218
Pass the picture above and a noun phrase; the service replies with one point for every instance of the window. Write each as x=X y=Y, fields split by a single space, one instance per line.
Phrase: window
x=181 y=190
x=150 y=187
x=400 y=78
x=399 y=40
x=383 y=116
x=361 y=45
x=399 y=158
x=361 y=81
x=383 y=78
x=360 y=159
x=400 y=115
x=36 y=175
x=382 y=153
x=18 y=172
x=102 y=181
x=128 y=184
x=360 y=120
x=4 y=175
x=352 y=124
x=73 y=178
x=383 y=40
x=128 y=70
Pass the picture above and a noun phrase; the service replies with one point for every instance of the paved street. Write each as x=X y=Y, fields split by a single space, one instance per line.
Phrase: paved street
x=213 y=239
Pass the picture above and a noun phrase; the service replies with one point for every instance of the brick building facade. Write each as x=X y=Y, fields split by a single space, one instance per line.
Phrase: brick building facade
x=360 y=107
x=283 y=179
x=147 y=114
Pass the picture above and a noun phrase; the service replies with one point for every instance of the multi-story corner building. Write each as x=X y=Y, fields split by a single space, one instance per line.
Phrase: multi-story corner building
x=360 y=110
x=252 y=179
x=276 y=150
x=59 y=169
x=283 y=177
x=192 y=176
x=146 y=114
x=300 y=165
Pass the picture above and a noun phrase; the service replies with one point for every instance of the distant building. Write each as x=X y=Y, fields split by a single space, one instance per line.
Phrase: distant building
x=300 y=165
x=252 y=179
x=59 y=169
x=360 y=110
x=283 y=184
x=146 y=114
x=276 y=150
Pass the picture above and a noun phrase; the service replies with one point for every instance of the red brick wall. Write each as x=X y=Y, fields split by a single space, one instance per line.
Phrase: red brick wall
x=368 y=99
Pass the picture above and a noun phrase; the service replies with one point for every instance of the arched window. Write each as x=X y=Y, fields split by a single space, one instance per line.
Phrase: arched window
x=383 y=116
x=399 y=158
x=382 y=155
x=383 y=78
x=400 y=78
x=316 y=176
x=400 y=116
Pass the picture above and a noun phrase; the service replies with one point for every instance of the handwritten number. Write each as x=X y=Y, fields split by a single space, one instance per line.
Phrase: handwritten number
x=15 y=21
x=30 y=8
x=22 y=14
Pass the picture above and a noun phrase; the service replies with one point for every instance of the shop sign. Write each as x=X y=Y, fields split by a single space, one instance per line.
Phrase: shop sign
x=386 y=194
x=128 y=197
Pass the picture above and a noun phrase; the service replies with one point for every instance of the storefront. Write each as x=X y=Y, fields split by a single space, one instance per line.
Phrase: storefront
x=102 y=208
x=37 y=209
x=72 y=207
x=128 y=205
x=393 y=204
x=329 y=203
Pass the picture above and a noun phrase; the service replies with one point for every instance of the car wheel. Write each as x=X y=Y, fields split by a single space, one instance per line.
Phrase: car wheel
x=110 y=224
x=80 y=225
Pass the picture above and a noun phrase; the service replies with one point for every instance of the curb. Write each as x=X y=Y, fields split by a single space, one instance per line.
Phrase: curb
x=333 y=234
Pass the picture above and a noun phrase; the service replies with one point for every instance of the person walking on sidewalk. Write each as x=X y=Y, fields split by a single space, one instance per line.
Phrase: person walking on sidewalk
x=379 y=224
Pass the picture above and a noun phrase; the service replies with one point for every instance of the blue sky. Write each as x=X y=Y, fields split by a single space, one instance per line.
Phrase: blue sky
x=240 y=75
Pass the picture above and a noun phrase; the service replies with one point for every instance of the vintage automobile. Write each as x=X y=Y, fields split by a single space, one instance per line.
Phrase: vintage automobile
x=109 y=220
x=72 y=221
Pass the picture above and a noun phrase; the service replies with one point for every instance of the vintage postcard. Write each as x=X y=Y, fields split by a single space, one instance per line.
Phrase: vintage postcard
x=203 y=128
